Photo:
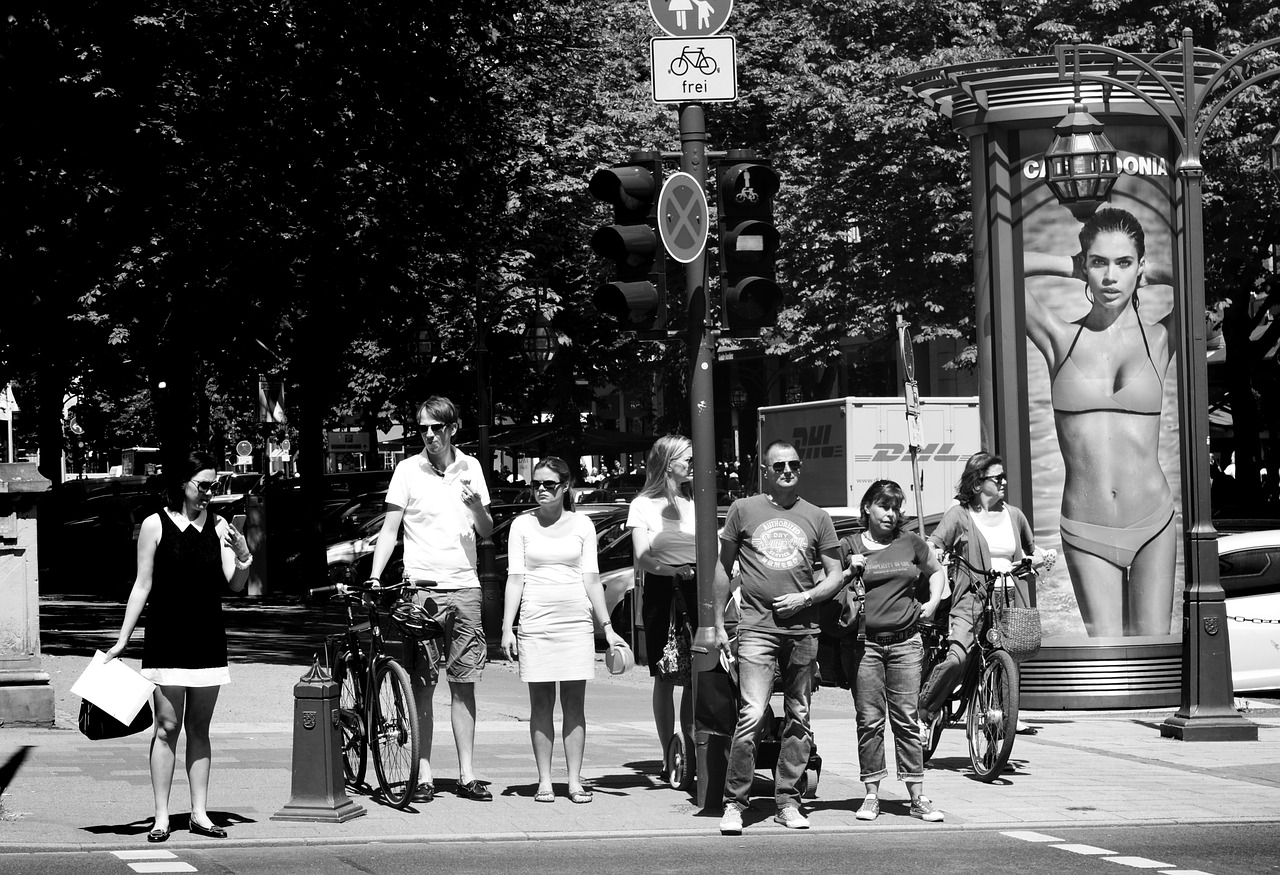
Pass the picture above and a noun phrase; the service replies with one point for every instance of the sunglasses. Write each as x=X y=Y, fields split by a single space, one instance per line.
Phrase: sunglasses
x=999 y=478
x=434 y=428
x=205 y=485
x=779 y=467
x=549 y=485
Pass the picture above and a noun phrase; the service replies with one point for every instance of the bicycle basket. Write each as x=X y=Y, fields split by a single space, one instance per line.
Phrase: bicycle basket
x=414 y=622
x=1020 y=632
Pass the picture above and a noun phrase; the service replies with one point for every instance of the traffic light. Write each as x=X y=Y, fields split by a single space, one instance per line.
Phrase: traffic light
x=637 y=296
x=750 y=294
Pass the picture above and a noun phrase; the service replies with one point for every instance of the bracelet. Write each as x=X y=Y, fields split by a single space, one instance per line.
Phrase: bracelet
x=242 y=564
x=606 y=624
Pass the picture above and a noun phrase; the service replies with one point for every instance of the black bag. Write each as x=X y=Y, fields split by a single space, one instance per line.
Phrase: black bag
x=675 y=666
x=841 y=615
x=97 y=724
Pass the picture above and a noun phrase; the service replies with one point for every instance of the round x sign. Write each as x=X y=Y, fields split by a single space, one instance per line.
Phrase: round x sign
x=683 y=217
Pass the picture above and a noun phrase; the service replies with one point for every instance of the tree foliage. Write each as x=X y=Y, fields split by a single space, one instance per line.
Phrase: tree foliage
x=201 y=193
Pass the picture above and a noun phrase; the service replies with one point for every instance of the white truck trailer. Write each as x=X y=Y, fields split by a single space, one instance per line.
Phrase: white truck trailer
x=848 y=443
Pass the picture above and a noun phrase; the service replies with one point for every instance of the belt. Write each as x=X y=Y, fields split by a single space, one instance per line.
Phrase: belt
x=883 y=638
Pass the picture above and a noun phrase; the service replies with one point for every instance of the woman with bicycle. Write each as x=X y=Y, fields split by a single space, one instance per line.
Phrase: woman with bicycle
x=662 y=529
x=553 y=582
x=990 y=535
x=187 y=557
x=885 y=664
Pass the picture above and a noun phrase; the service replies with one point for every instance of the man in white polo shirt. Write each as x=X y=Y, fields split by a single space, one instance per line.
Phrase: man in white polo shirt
x=441 y=497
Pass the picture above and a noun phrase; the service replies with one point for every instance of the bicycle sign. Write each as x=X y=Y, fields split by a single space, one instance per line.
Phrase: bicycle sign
x=698 y=70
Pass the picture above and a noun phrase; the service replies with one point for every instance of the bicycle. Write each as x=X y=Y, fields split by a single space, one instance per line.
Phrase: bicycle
x=376 y=710
x=696 y=60
x=987 y=695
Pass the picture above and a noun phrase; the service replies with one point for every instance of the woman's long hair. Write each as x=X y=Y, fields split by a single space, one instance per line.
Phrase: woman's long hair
x=561 y=467
x=975 y=471
x=878 y=493
x=657 y=484
x=193 y=464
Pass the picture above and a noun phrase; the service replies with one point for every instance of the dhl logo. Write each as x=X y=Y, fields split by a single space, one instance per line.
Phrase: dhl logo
x=815 y=443
x=902 y=453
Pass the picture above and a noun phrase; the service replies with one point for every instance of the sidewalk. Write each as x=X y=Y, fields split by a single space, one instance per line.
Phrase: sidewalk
x=1078 y=768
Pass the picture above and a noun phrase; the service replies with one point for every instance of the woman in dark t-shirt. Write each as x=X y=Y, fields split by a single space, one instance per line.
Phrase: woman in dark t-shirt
x=885 y=665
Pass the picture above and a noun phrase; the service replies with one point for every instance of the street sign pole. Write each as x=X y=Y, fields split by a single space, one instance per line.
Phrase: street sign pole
x=702 y=349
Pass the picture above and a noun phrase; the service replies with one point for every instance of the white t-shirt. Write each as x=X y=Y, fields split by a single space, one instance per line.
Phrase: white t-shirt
x=439 y=534
x=672 y=539
x=1002 y=541
x=562 y=558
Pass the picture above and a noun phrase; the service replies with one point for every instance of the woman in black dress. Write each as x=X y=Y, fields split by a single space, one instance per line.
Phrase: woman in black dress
x=186 y=559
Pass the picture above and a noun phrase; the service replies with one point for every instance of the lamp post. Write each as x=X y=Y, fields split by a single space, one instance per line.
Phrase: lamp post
x=1206 y=712
x=737 y=401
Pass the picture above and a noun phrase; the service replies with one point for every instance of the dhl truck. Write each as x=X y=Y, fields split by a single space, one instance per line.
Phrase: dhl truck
x=848 y=443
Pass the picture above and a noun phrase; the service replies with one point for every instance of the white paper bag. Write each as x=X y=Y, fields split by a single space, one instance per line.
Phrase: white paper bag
x=113 y=687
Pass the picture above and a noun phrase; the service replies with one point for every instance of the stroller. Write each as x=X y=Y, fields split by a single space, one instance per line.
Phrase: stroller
x=715 y=716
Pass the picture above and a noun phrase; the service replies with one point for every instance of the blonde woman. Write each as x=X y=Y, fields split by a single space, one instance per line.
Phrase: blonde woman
x=662 y=523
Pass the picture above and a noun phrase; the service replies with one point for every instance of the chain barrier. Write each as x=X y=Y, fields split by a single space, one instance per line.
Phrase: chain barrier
x=1251 y=620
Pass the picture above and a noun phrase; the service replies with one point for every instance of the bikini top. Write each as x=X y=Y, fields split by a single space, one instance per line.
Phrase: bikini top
x=1073 y=392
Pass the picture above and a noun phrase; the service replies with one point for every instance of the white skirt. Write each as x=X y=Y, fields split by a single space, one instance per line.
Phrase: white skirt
x=556 y=638
x=188 y=677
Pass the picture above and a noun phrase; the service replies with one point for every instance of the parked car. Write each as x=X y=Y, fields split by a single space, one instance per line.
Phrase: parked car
x=1249 y=571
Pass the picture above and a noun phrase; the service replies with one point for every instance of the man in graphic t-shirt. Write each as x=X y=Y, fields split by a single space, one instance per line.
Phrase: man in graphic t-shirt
x=775 y=538
x=442 y=500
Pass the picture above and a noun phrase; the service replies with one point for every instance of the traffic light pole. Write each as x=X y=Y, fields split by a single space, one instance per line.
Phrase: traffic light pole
x=702 y=354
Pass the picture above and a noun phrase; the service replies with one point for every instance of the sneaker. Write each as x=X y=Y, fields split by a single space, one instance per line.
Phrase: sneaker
x=731 y=822
x=922 y=808
x=791 y=818
x=870 y=809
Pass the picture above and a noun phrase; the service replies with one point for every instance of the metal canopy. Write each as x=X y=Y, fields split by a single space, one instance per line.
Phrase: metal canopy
x=1031 y=89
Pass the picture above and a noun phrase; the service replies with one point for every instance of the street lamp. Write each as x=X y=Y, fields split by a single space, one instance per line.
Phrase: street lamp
x=539 y=342
x=1207 y=712
x=1273 y=156
x=423 y=346
x=1081 y=162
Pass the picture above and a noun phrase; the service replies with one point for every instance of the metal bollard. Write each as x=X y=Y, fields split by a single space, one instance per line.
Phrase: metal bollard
x=318 y=791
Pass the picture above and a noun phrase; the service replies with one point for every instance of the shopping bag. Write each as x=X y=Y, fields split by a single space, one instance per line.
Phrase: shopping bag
x=114 y=688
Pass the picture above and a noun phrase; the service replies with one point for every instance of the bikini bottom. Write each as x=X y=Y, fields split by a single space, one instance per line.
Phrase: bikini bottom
x=1117 y=546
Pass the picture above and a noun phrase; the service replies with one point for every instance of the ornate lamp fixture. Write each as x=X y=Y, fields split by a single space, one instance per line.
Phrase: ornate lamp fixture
x=1081 y=162
x=1273 y=156
x=539 y=342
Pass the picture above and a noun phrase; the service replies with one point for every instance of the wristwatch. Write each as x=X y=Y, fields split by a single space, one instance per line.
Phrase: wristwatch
x=808 y=600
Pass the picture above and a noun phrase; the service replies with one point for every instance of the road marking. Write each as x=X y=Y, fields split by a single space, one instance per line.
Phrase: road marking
x=144 y=855
x=1086 y=849
x=1184 y=872
x=1138 y=862
x=1028 y=836
x=175 y=866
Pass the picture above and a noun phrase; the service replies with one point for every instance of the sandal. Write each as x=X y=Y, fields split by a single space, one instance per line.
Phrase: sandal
x=580 y=797
x=544 y=796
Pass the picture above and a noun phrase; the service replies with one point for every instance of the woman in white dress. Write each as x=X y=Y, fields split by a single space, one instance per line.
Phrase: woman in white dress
x=662 y=529
x=553 y=582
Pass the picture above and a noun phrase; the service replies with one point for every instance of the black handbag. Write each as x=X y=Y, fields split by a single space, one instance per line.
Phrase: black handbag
x=97 y=725
x=675 y=665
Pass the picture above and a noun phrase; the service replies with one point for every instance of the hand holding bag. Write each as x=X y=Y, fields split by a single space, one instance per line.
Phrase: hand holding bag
x=675 y=666
x=116 y=699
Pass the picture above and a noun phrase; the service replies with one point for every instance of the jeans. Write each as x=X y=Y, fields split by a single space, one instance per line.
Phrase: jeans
x=887 y=679
x=759 y=653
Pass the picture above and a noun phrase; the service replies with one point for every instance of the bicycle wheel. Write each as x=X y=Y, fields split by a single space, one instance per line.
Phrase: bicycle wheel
x=393 y=734
x=993 y=715
x=349 y=673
